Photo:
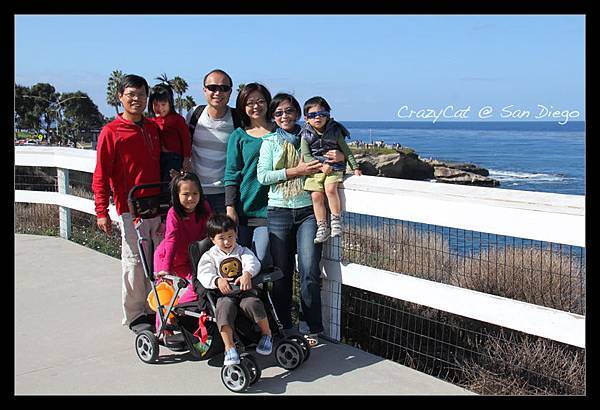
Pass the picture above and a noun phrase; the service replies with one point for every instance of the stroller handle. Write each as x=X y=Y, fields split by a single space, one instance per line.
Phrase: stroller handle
x=144 y=186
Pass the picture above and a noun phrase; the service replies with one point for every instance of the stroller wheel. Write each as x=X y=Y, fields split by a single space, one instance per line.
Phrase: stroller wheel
x=253 y=368
x=303 y=343
x=146 y=346
x=289 y=354
x=235 y=377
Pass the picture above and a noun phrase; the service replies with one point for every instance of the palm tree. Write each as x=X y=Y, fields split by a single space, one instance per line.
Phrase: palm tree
x=112 y=90
x=164 y=79
x=240 y=87
x=180 y=86
x=189 y=103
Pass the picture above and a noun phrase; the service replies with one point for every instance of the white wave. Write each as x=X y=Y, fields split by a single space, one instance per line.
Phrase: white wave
x=510 y=176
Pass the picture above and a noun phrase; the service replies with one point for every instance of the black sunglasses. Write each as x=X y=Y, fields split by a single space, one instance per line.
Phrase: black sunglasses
x=218 y=87
x=288 y=111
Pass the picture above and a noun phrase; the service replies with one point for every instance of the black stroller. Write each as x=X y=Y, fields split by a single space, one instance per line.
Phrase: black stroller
x=290 y=351
x=185 y=316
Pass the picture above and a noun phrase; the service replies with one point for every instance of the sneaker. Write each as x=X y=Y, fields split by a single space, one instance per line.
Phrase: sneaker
x=322 y=232
x=336 y=226
x=231 y=357
x=265 y=345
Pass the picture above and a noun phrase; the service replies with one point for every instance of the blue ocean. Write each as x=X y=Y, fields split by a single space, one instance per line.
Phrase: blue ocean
x=523 y=155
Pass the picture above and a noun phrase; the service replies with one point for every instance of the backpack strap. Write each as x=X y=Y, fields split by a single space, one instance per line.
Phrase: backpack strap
x=237 y=122
x=194 y=119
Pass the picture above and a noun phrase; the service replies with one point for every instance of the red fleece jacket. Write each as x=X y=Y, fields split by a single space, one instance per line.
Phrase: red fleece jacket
x=174 y=134
x=127 y=155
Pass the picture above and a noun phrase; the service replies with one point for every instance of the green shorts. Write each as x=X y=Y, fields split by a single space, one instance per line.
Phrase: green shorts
x=317 y=182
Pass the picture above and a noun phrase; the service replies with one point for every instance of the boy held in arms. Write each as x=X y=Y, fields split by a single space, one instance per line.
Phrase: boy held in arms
x=319 y=135
x=228 y=263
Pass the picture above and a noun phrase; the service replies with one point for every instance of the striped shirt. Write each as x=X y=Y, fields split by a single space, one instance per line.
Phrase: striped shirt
x=209 y=150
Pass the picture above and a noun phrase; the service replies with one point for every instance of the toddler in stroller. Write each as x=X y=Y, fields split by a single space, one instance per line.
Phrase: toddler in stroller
x=228 y=273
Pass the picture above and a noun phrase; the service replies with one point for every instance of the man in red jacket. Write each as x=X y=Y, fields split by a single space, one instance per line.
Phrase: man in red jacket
x=128 y=154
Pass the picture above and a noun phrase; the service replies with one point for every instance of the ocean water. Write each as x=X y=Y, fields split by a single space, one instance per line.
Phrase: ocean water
x=531 y=156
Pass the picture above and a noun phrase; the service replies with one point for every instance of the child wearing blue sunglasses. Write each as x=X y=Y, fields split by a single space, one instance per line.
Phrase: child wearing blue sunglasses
x=319 y=135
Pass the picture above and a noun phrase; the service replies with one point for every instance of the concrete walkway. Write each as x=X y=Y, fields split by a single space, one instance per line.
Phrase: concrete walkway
x=69 y=341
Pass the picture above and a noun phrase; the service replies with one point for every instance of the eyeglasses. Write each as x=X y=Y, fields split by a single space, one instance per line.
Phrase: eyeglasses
x=252 y=103
x=312 y=115
x=288 y=111
x=133 y=96
x=218 y=87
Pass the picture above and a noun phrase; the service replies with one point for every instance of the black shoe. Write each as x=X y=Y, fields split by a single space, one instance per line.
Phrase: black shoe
x=141 y=323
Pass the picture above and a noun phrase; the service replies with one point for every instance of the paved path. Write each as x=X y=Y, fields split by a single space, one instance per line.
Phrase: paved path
x=69 y=341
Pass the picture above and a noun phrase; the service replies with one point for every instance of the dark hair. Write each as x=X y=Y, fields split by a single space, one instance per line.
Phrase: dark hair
x=281 y=97
x=219 y=223
x=132 y=80
x=161 y=92
x=314 y=101
x=174 y=187
x=242 y=98
x=220 y=72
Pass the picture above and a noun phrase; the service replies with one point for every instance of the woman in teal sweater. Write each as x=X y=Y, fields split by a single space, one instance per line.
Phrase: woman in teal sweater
x=291 y=219
x=245 y=197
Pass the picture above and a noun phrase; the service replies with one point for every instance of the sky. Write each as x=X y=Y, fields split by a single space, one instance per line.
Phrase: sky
x=368 y=67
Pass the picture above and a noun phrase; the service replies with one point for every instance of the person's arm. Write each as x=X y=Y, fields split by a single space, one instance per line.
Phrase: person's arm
x=341 y=141
x=233 y=173
x=250 y=262
x=265 y=173
x=305 y=151
x=105 y=157
x=207 y=271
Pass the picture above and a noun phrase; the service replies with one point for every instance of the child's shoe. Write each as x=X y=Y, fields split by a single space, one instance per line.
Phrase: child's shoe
x=322 y=232
x=231 y=357
x=265 y=345
x=336 y=225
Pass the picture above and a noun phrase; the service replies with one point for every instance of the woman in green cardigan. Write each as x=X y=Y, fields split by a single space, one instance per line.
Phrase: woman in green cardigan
x=245 y=197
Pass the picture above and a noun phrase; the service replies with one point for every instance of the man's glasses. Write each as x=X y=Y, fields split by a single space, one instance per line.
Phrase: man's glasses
x=252 y=103
x=312 y=115
x=133 y=96
x=288 y=111
x=218 y=87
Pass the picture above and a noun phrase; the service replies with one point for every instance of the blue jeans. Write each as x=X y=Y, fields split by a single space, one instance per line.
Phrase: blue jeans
x=256 y=238
x=217 y=203
x=168 y=161
x=292 y=231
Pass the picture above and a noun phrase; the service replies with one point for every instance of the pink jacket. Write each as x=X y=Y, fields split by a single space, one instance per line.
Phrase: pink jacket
x=172 y=254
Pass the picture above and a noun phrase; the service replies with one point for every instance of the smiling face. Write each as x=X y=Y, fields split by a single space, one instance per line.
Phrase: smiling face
x=134 y=100
x=318 y=123
x=217 y=99
x=161 y=108
x=256 y=106
x=286 y=115
x=189 y=196
x=225 y=241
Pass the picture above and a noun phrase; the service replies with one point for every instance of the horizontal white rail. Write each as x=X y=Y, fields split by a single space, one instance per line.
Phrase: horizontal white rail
x=533 y=319
x=539 y=216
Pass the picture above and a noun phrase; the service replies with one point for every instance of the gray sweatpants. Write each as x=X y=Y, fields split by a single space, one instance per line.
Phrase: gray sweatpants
x=248 y=302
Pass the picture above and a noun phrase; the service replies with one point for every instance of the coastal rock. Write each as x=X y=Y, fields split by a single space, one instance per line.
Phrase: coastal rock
x=397 y=165
x=406 y=164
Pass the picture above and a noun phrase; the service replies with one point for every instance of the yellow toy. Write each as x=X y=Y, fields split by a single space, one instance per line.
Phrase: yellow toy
x=165 y=293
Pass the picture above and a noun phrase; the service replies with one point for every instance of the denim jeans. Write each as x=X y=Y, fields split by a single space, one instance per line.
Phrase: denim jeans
x=217 y=203
x=169 y=161
x=292 y=231
x=256 y=238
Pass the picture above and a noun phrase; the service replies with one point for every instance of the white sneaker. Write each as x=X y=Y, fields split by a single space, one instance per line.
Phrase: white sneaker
x=336 y=226
x=322 y=232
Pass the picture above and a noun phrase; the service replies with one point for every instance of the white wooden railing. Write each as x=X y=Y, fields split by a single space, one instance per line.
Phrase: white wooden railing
x=539 y=216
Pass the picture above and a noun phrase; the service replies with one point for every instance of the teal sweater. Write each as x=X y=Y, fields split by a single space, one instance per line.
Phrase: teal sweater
x=270 y=152
x=240 y=171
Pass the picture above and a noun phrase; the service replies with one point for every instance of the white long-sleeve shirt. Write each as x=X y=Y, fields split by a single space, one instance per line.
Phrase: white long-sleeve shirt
x=217 y=264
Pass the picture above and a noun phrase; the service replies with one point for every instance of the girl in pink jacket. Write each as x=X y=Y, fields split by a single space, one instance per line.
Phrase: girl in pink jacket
x=185 y=223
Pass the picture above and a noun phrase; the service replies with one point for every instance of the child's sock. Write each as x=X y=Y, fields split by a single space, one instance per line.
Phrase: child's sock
x=336 y=225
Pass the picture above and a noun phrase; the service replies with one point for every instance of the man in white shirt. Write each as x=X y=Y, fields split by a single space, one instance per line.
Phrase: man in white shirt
x=215 y=122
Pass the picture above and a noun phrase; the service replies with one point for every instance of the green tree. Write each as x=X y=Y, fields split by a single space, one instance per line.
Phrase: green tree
x=240 y=87
x=45 y=99
x=189 y=103
x=180 y=86
x=79 y=114
x=112 y=89
x=25 y=118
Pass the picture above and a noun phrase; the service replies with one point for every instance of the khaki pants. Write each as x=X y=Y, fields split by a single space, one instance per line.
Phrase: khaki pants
x=135 y=284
